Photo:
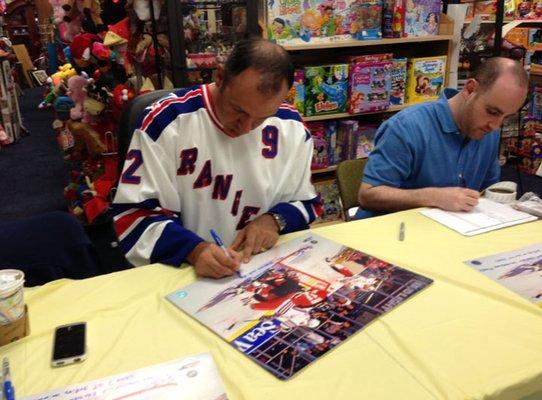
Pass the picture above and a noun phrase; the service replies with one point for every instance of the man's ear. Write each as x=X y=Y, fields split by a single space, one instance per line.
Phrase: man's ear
x=219 y=76
x=471 y=86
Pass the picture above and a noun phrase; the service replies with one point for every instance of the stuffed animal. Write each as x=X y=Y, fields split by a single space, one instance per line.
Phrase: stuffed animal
x=89 y=9
x=81 y=47
x=64 y=73
x=4 y=138
x=77 y=92
x=102 y=52
x=143 y=10
x=50 y=95
x=87 y=142
x=122 y=94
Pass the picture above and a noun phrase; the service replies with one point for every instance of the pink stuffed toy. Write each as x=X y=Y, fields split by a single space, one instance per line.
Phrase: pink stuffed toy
x=76 y=90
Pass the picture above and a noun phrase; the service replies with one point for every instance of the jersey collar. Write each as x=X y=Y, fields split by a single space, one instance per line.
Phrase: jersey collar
x=210 y=106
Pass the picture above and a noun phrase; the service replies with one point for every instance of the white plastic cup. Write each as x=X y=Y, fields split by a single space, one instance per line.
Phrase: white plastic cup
x=11 y=295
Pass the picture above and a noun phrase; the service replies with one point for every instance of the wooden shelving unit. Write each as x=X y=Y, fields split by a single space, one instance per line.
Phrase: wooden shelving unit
x=348 y=115
x=366 y=43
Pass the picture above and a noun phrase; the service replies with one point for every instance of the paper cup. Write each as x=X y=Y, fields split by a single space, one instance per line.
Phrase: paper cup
x=502 y=192
x=11 y=295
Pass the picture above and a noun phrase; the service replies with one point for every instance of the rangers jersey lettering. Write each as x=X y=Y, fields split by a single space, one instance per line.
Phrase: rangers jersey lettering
x=184 y=175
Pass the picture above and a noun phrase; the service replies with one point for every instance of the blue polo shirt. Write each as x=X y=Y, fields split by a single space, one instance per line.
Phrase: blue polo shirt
x=422 y=147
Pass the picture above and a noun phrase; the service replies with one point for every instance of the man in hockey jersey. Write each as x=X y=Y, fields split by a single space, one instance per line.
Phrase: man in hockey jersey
x=229 y=155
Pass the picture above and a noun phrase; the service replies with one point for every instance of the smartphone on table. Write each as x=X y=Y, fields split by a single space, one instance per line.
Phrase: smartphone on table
x=70 y=344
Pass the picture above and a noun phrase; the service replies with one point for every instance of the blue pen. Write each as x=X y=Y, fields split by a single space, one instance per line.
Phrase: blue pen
x=9 y=390
x=220 y=244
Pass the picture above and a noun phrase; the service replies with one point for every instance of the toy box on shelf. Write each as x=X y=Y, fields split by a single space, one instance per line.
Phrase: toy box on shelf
x=302 y=21
x=393 y=18
x=326 y=89
x=425 y=80
x=530 y=146
x=370 y=82
x=322 y=150
x=329 y=194
x=398 y=81
x=422 y=17
x=324 y=135
x=296 y=95
x=366 y=20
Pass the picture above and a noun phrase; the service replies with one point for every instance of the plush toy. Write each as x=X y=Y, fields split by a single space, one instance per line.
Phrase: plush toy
x=143 y=10
x=118 y=33
x=90 y=9
x=122 y=94
x=81 y=47
x=63 y=74
x=76 y=91
x=147 y=86
x=50 y=95
x=102 y=52
x=63 y=104
x=117 y=40
x=138 y=45
x=87 y=141
x=4 y=138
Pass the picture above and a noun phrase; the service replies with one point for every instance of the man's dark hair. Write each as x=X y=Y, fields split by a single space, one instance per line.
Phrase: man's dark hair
x=272 y=61
x=487 y=72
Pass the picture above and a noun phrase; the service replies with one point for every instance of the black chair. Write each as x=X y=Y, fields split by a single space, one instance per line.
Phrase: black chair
x=129 y=119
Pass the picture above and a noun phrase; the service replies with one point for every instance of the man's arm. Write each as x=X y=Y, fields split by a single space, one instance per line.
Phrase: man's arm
x=391 y=163
x=390 y=199
x=297 y=212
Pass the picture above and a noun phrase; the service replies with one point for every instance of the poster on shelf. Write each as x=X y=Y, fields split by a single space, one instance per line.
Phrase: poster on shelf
x=289 y=306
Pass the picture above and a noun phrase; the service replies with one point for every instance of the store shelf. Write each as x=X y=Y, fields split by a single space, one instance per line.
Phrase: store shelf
x=348 y=115
x=364 y=43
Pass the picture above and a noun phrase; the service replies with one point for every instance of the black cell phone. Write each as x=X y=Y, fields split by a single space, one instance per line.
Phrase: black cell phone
x=70 y=345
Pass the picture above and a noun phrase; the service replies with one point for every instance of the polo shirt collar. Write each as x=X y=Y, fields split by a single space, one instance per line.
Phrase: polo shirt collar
x=445 y=115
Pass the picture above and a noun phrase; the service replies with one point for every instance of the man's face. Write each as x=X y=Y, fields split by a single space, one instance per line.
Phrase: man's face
x=484 y=112
x=239 y=105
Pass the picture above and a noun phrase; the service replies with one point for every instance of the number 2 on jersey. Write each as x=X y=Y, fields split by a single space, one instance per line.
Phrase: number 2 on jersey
x=128 y=175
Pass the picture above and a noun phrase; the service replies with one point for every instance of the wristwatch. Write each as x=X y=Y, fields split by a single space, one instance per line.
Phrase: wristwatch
x=279 y=220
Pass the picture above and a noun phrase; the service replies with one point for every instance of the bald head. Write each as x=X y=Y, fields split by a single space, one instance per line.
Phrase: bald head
x=494 y=68
x=271 y=61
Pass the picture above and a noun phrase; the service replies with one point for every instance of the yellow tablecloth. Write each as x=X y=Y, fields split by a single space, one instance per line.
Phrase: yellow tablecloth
x=464 y=337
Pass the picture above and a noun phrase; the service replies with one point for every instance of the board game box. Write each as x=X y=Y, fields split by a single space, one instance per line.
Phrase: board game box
x=326 y=89
x=370 y=83
x=426 y=77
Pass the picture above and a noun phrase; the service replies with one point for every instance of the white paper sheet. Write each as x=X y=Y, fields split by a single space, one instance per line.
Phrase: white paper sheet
x=486 y=216
x=190 y=378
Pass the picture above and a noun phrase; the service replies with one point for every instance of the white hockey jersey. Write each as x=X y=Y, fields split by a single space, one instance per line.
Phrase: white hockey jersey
x=183 y=176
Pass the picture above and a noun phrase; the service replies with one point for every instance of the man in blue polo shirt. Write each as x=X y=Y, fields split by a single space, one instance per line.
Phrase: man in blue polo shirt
x=443 y=153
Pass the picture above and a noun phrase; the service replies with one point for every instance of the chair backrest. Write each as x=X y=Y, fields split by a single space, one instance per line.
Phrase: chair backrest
x=349 y=173
x=129 y=119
